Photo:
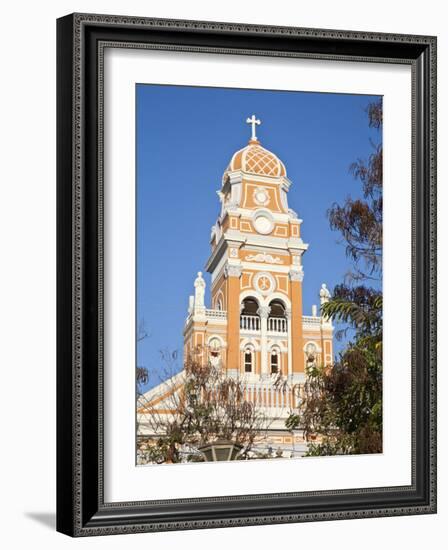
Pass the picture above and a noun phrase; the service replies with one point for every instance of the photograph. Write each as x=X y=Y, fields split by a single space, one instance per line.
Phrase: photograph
x=259 y=296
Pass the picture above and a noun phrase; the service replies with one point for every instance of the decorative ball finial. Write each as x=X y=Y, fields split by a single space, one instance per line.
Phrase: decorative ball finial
x=254 y=121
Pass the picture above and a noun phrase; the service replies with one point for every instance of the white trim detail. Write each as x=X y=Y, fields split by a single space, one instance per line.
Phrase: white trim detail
x=219 y=299
x=275 y=350
x=296 y=274
x=284 y=269
x=263 y=221
x=263 y=275
x=263 y=257
x=258 y=192
x=221 y=340
x=251 y=294
x=249 y=348
x=318 y=348
x=265 y=300
x=250 y=341
x=233 y=270
x=279 y=344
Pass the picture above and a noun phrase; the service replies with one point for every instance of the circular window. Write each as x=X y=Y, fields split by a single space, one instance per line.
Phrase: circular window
x=263 y=224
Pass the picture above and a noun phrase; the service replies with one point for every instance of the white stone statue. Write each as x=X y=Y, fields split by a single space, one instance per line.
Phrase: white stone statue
x=190 y=304
x=199 y=291
x=324 y=294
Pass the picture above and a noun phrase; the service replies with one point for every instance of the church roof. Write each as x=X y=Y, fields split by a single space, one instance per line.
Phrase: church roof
x=255 y=159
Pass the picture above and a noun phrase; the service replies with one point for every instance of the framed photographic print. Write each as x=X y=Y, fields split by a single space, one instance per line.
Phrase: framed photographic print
x=246 y=274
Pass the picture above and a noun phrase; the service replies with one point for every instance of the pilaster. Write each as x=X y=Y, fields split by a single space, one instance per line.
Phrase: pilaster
x=296 y=278
x=233 y=274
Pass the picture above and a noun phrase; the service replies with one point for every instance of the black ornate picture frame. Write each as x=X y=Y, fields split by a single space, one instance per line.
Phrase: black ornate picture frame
x=81 y=509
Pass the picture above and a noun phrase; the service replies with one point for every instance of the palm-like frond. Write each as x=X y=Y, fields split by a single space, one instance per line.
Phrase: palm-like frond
x=364 y=315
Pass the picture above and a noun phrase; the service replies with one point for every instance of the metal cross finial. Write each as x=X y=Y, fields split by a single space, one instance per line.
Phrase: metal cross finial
x=253 y=121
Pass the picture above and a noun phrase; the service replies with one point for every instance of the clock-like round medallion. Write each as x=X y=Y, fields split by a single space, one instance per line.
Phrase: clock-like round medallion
x=264 y=283
x=263 y=225
x=261 y=196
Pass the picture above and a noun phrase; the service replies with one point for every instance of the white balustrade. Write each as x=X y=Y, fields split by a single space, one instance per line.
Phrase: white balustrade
x=274 y=400
x=215 y=314
x=250 y=322
x=277 y=324
x=253 y=323
x=310 y=320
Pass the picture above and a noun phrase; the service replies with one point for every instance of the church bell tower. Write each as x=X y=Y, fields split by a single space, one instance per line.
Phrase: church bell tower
x=255 y=327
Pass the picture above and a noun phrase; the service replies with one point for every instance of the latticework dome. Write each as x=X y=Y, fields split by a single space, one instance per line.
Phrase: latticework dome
x=255 y=159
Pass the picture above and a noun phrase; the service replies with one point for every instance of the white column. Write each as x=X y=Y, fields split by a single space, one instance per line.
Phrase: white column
x=263 y=312
x=288 y=317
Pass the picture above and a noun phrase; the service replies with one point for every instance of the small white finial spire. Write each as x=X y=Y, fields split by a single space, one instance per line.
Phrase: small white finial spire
x=253 y=121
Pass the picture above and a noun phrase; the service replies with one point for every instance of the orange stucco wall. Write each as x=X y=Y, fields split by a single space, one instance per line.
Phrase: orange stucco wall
x=296 y=327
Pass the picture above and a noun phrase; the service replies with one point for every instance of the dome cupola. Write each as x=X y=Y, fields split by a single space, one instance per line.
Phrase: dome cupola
x=255 y=159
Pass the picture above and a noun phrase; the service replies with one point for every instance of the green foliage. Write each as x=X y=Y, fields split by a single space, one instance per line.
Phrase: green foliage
x=207 y=406
x=360 y=307
x=342 y=405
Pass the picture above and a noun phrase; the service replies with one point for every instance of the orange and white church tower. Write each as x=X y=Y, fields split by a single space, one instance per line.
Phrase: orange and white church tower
x=256 y=327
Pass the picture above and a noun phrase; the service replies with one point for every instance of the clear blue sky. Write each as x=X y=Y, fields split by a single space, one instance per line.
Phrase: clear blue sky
x=185 y=139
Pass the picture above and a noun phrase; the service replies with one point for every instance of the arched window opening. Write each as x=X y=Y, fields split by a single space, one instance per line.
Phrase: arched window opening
x=275 y=361
x=277 y=317
x=311 y=354
x=250 y=306
x=249 y=319
x=277 y=309
x=214 y=346
x=249 y=362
